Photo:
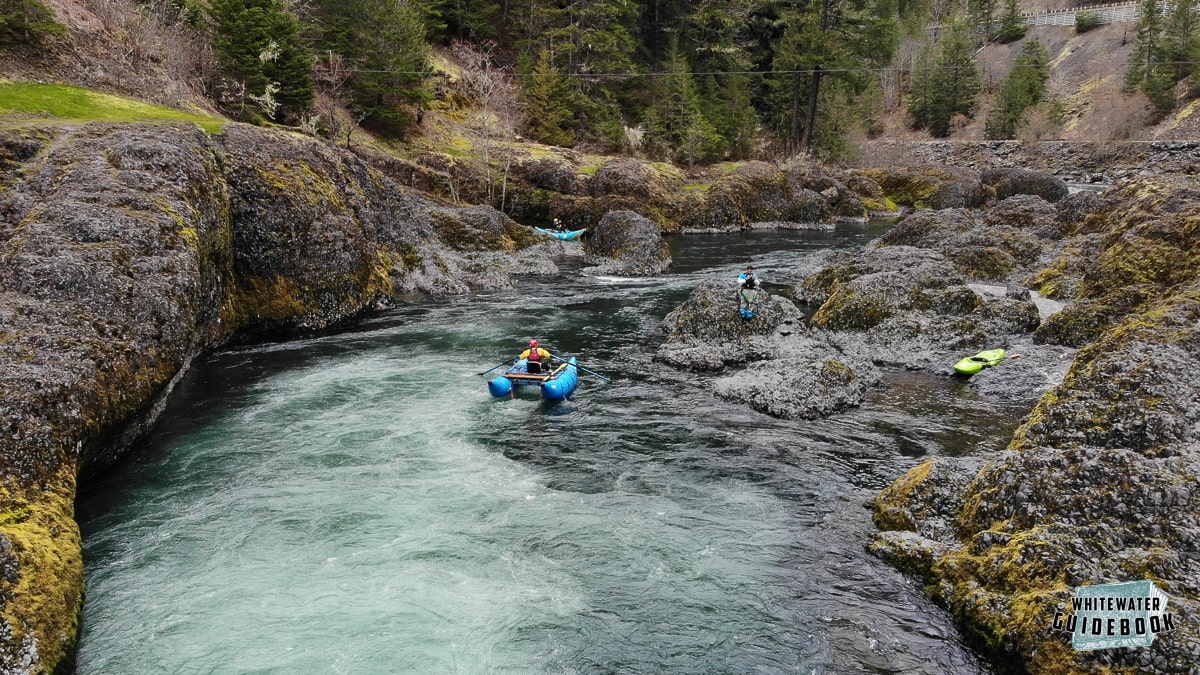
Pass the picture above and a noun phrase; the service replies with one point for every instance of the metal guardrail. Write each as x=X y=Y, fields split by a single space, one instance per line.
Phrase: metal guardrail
x=1117 y=12
x=1113 y=12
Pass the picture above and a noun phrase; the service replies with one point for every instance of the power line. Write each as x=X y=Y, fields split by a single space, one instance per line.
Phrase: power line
x=806 y=71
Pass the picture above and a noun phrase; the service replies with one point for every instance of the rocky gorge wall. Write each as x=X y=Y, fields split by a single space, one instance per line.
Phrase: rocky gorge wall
x=128 y=250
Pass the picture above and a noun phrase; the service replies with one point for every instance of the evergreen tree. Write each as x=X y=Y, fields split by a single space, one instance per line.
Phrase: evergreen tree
x=948 y=84
x=825 y=41
x=1180 y=46
x=1022 y=88
x=592 y=43
x=258 y=42
x=465 y=19
x=384 y=40
x=1145 y=71
x=27 y=21
x=1012 y=27
x=717 y=33
x=548 y=104
x=982 y=14
x=675 y=122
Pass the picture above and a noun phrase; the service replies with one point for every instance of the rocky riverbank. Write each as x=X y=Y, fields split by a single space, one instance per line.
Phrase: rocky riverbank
x=1098 y=483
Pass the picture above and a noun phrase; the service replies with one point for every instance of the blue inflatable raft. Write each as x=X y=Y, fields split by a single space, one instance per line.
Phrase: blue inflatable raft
x=565 y=236
x=555 y=385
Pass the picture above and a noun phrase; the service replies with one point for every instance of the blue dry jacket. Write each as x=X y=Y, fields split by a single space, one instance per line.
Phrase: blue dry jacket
x=744 y=276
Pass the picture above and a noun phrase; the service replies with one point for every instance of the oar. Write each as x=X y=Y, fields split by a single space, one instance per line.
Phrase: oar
x=495 y=367
x=582 y=368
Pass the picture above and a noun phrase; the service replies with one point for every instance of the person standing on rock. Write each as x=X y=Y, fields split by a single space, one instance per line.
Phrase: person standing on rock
x=747 y=292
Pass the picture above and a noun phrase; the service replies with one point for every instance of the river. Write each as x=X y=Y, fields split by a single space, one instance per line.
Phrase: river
x=358 y=503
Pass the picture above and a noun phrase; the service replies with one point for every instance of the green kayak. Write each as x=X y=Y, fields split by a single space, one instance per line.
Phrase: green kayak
x=974 y=364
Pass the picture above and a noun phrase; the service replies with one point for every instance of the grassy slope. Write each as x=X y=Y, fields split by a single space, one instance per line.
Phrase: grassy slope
x=30 y=101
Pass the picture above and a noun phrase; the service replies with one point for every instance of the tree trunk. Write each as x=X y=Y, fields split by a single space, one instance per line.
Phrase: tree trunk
x=794 y=132
x=814 y=93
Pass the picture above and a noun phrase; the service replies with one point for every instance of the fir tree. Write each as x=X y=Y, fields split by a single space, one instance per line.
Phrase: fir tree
x=27 y=21
x=1012 y=27
x=1180 y=45
x=547 y=98
x=675 y=122
x=717 y=32
x=983 y=18
x=258 y=42
x=385 y=43
x=1145 y=71
x=1022 y=88
x=823 y=42
x=947 y=85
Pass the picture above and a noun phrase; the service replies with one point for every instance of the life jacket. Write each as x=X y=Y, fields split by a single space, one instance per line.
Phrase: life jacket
x=534 y=354
x=750 y=282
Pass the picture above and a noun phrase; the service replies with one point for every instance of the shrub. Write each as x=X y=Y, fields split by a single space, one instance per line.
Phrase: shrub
x=27 y=21
x=1085 y=21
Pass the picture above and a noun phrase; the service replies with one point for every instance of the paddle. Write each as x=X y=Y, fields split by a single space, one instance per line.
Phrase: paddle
x=495 y=367
x=582 y=368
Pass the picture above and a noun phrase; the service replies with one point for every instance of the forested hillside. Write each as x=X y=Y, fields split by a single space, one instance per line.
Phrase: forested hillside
x=692 y=81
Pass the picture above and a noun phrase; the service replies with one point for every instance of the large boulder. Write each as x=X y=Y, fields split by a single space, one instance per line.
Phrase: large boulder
x=706 y=332
x=810 y=380
x=1006 y=182
x=625 y=243
x=929 y=188
x=909 y=306
x=1099 y=482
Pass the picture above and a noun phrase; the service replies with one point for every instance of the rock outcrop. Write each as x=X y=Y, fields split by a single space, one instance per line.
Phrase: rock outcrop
x=788 y=372
x=626 y=244
x=1098 y=483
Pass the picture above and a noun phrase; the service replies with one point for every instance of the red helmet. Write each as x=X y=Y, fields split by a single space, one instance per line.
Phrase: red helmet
x=533 y=343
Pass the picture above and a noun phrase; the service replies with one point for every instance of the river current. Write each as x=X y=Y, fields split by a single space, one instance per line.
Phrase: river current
x=358 y=503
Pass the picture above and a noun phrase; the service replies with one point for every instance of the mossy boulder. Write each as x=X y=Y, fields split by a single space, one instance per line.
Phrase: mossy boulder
x=1006 y=182
x=1149 y=359
x=910 y=306
x=1065 y=266
x=556 y=175
x=982 y=247
x=706 y=332
x=625 y=243
x=1027 y=213
x=844 y=204
x=871 y=195
x=928 y=229
x=1077 y=325
x=794 y=387
x=652 y=184
x=116 y=254
x=1098 y=485
x=929 y=188
x=750 y=192
x=1076 y=208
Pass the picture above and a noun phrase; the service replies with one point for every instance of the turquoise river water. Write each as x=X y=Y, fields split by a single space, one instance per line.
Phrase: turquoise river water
x=358 y=503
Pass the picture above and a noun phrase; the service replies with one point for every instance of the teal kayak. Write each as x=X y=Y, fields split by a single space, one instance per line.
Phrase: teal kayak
x=565 y=236
x=974 y=364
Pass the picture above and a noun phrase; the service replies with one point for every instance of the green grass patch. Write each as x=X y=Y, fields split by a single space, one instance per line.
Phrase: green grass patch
x=74 y=104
